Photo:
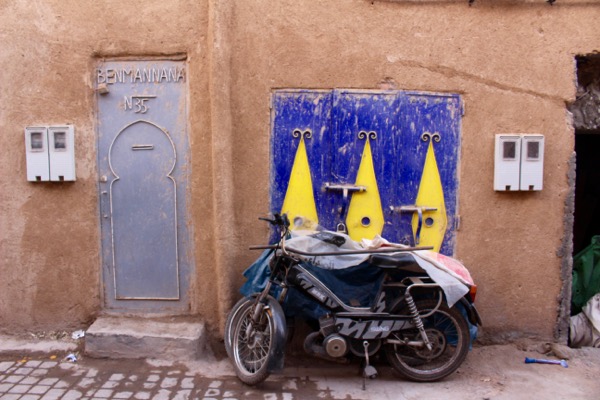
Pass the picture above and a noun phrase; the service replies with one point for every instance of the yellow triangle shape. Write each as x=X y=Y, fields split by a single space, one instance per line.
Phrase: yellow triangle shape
x=431 y=194
x=299 y=200
x=365 y=216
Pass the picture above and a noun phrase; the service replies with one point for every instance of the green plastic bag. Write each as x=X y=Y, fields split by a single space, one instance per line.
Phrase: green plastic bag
x=586 y=275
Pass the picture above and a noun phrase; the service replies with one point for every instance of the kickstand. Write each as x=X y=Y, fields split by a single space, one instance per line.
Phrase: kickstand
x=369 y=371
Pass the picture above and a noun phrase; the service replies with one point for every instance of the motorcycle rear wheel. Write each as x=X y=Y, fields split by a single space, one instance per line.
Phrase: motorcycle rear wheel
x=449 y=333
x=251 y=343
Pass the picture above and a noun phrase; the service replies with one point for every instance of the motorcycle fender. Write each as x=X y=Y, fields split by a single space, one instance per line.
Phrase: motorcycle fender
x=276 y=359
x=471 y=311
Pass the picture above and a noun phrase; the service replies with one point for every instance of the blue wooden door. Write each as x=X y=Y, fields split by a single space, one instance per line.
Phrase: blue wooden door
x=379 y=162
x=142 y=162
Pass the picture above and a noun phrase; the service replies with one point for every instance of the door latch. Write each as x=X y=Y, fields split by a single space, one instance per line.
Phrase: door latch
x=346 y=189
x=419 y=210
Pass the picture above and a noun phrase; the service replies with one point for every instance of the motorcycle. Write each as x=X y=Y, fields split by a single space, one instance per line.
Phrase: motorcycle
x=416 y=305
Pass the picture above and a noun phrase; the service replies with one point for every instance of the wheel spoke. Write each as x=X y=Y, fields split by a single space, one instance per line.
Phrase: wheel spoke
x=448 y=335
x=251 y=351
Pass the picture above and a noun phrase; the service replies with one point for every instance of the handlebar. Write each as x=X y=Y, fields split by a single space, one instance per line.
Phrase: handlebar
x=342 y=252
x=277 y=220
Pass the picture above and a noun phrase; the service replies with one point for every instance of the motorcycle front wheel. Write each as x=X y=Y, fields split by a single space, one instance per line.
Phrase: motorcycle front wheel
x=448 y=333
x=234 y=315
x=251 y=342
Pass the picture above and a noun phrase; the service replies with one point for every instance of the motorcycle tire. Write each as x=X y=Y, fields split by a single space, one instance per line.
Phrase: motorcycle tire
x=449 y=334
x=237 y=310
x=251 y=344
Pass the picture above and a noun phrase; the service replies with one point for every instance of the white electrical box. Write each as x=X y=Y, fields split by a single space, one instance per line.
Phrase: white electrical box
x=62 y=153
x=519 y=162
x=507 y=161
x=36 y=147
x=50 y=153
x=532 y=162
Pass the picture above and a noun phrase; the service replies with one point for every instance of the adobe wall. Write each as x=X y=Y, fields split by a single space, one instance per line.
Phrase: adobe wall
x=49 y=237
x=511 y=61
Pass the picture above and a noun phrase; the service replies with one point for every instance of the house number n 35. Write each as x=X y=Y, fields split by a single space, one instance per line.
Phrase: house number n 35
x=137 y=103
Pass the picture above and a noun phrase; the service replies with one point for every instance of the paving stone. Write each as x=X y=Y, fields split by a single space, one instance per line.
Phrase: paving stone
x=182 y=395
x=39 y=372
x=85 y=382
x=23 y=371
x=103 y=393
x=162 y=394
x=33 y=363
x=39 y=389
x=142 y=395
x=169 y=383
x=153 y=378
x=187 y=383
x=61 y=385
x=5 y=365
x=123 y=395
x=13 y=379
x=109 y=385
x=48 y=381
x=53 y=394
x=92 y=373
x=215 y=384
x=72 y=395
x=19 y=389
x=116 y=377
x=30 y=380
x=30 y=397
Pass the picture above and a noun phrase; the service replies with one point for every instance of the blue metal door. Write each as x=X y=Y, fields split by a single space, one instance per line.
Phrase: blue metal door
x=380 y=163
x=142 y=161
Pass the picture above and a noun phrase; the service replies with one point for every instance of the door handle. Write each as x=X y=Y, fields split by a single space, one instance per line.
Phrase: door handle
x=419 y=210
x=346 y=189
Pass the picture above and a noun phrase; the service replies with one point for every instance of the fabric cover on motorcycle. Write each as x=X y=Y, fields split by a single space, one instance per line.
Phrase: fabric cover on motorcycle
x=447 y=272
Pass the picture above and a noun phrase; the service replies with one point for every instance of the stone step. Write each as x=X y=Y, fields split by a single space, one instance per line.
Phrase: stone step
x=138 y=337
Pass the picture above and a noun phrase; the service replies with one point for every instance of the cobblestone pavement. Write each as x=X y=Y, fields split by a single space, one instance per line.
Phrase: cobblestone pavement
x=32 y=379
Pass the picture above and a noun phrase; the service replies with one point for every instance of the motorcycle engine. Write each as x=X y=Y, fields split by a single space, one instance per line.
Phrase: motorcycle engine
x=335 y=345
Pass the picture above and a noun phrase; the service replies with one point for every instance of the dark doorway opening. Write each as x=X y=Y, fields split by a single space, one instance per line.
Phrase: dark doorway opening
x=587 y=189
x=586 y=118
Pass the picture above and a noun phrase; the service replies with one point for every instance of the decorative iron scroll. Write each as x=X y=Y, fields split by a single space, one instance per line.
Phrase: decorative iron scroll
x=304 y=134
x=363 y=135
x=435 y=137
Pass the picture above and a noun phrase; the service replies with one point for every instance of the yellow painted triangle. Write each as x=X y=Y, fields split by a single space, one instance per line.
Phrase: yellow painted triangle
x=299 y=200
x=431 y=194
x=365 y=216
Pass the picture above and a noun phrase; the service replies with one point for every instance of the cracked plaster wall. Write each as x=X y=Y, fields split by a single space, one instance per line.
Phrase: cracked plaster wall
x=512 y=62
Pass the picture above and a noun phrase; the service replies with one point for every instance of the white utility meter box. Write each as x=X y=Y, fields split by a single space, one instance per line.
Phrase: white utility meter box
x=507 y=162
x=50 y=153
x=62 y=153
x=36 y=147
x=519 y=162
x=532 y=162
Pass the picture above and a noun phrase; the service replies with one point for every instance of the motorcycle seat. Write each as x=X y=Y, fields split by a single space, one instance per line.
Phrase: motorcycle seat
x=402 y=261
